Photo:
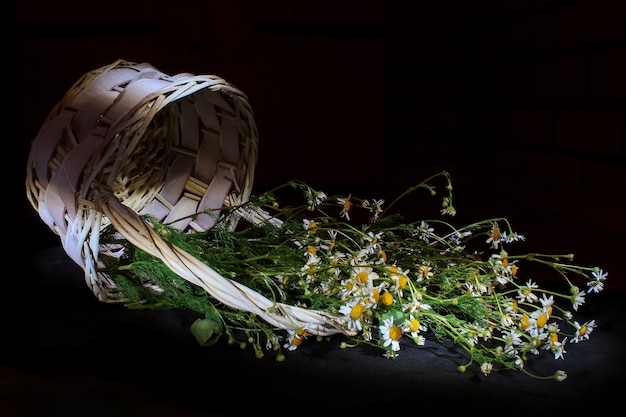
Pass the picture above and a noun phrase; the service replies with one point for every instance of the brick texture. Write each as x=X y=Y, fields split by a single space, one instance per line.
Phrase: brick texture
x=524 y=96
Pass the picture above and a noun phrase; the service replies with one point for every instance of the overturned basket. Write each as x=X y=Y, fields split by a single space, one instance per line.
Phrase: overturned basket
x=128 y=140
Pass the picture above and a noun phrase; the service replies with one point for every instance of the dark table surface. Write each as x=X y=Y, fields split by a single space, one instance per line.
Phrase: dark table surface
x=66 y=354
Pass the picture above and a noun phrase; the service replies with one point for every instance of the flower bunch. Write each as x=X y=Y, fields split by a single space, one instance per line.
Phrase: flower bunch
x=384 y=277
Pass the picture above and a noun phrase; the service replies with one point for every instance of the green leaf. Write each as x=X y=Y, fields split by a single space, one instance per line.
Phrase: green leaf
x=396 y=316
x=206 y=331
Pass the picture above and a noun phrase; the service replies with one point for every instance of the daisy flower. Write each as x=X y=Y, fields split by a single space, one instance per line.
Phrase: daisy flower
x=583 y=330
x=494 y=236
x=525 y=293
x=597 y=284
x=353 y=310
x=391 y=335
x=345 y=204
x=578 y=299
x=295 y=337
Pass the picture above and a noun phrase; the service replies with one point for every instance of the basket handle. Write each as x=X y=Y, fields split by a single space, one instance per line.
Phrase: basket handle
x=232 y=293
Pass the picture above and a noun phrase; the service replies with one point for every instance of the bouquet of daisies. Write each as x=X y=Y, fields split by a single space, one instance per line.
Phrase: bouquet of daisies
x=378 y=276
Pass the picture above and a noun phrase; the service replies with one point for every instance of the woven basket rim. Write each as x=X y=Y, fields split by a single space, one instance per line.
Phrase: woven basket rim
x=77 y=171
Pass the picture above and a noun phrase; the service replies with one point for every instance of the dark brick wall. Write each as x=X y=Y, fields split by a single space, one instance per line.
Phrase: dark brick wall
x=526 y=98
x=312 y=84
x=523 y=102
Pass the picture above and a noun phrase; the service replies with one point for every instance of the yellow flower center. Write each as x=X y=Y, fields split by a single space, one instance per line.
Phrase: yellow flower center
x=357 y=311
x=415 y=324
x=582 y=330
x=542 y=320
x=524 y=322
x=395 y=333
x=425 y=271
x=402 y=281
x=375 y=295
x=387 y=299
x=312 y=250
x=299 y=337
x=554 y=338
x=362 y=277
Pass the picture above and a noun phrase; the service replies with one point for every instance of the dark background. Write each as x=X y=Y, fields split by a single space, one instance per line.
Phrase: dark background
x=523 y=102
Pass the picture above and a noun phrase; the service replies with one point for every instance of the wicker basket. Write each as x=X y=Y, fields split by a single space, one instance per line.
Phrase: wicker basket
x=128 y=140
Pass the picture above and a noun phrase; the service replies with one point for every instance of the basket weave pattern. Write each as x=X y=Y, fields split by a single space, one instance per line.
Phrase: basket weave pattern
x=128 y=140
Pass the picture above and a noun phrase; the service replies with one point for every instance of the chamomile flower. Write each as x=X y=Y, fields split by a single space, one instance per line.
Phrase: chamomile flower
x=399 y=278
x=578 y=299
x=295 y=337
x=546 y=304
x=353 y=311
x=526 y=294
x=583 y=330
x=345 y=204
x=387 y=280
x=424 y=271
x=372 y=242
x=413 y=326
x=513 y=237
x=391 y=335
x=310 y=226
x=597 y=284
x=329 y=244
x=364 y=277
x=318 y=199
x=425 y=232
x=471 y=332
x=387 y=298
x=512 y=338
x=556 y=346
x=494 y=236
x=375 y=208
